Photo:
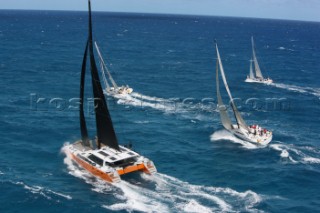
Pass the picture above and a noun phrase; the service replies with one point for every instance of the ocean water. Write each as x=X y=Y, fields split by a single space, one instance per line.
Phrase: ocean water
x=169 y=61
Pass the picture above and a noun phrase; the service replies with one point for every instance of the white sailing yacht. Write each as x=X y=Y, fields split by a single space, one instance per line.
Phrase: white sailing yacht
x=114 y=89
x=254 y=133
x=102 y=157
x=256 y=75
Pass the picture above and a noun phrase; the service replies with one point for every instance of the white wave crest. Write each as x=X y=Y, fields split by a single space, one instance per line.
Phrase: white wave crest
x=311 y=160
x=299 y=153
x=283 y=149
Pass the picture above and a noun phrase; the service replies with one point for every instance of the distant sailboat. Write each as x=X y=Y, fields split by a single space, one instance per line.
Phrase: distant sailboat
x=103 y=157
x=114 y=89
x=254 y=133
x=256 y=76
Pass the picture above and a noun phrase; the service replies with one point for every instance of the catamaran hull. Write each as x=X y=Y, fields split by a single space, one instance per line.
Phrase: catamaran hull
x=109 y=174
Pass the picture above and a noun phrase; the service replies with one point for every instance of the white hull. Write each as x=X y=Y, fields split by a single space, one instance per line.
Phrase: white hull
x=259 y=139
x=261 y=81
x=107 y=163
x=123 y=90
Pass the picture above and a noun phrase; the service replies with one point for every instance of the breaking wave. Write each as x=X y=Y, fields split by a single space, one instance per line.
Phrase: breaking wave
x=166 y=194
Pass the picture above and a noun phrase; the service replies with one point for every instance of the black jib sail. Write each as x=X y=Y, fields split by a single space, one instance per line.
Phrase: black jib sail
x=105 y=131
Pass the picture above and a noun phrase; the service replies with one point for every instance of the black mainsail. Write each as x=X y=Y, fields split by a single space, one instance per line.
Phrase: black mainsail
x=105 y=131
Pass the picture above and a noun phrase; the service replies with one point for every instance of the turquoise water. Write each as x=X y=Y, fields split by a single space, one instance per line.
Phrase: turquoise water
x=169 y=61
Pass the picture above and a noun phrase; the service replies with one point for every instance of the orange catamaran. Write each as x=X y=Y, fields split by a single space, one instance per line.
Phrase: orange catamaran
x=103 y=157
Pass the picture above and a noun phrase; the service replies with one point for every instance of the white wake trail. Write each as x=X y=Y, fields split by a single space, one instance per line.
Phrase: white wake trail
x=148 y=98
x=167 y=194
x=128 y=99
x=306 y=90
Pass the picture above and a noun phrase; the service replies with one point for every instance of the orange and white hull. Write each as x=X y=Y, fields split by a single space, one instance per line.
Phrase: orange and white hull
x=107 y=173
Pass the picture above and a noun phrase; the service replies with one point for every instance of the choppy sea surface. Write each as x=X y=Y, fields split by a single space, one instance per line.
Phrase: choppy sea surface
x=171 y=118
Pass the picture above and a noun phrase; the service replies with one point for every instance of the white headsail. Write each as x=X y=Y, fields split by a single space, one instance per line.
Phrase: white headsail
x=255 y=61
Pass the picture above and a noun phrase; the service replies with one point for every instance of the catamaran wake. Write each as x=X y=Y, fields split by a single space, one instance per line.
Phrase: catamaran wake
x=306 y=90
x=166 y=194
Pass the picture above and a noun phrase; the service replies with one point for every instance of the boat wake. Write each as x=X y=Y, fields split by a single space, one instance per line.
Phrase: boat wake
x=42 y=191
x=148 y=98
x=225 y=135
x=303 y=155
x=143 y=101
x=169 y=106
x=291 y=153
x=305 y=90
x=163 y=193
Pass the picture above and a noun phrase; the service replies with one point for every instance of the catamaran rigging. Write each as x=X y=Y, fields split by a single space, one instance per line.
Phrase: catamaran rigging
x=108 y=160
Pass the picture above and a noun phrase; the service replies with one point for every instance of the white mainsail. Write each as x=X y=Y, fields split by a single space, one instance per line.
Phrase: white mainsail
x=237 y=114
x=105 y=68
x=255 y=61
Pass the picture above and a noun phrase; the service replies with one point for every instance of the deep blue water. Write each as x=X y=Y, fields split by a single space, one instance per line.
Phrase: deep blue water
x=170 y=59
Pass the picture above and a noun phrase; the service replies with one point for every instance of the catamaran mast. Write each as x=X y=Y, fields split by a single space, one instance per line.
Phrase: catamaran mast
x=105 y=131
x=105 y=66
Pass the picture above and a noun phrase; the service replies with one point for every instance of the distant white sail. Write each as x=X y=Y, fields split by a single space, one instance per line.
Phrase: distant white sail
x=255 y=61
